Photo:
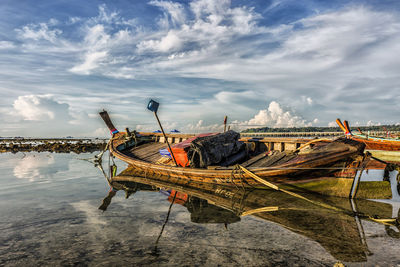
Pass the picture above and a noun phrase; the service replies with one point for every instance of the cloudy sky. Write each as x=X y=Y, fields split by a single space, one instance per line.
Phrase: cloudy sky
x=263 y=63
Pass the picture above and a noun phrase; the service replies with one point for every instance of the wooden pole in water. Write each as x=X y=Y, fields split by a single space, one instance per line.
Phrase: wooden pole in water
x=356 y=180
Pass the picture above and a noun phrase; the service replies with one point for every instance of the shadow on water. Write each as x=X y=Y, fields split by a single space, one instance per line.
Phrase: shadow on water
x=334 y=222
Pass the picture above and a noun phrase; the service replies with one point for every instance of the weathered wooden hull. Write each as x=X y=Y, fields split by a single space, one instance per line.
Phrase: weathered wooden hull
x=321 y=163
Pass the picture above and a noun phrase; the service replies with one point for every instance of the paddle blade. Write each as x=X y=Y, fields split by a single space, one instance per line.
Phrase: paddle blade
x=106 y=118
x=153 y=106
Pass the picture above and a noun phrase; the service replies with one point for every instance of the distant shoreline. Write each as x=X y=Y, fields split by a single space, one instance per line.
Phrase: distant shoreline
x=56 y=145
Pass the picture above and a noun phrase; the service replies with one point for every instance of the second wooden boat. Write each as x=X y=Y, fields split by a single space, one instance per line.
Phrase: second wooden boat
x=387 y=149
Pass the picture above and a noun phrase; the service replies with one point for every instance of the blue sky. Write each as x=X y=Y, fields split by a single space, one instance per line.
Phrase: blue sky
x=262 y=63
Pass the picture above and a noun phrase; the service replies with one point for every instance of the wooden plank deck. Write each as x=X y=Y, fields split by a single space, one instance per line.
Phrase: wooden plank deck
x=148 y=152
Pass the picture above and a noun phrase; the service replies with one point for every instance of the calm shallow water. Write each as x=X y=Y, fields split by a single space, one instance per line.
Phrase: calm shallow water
x=49 y=216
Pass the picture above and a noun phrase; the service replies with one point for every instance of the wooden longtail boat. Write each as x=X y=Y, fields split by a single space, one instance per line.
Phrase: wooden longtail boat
x=338 y=230
x=310 y=167
x=380 y=147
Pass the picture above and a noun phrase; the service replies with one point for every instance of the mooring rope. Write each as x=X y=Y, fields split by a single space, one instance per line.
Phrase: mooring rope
x=97 y=159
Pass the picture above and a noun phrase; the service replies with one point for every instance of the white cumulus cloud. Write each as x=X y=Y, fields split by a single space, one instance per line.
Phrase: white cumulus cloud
x=277 y=116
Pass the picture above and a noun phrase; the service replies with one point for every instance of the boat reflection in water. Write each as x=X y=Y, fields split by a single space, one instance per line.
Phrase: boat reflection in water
x=334 y=222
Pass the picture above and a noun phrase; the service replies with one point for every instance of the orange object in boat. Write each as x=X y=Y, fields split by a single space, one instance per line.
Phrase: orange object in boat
x=180 y=150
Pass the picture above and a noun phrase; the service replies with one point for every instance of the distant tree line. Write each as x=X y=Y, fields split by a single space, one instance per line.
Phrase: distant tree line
x=322 y=129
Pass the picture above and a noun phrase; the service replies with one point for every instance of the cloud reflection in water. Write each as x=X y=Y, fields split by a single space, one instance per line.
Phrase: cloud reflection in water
x=36 y=167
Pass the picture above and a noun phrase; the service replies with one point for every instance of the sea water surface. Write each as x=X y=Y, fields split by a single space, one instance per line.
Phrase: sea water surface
x=49 y=216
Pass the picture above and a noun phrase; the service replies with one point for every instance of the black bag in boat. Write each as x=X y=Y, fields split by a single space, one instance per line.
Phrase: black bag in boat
x=214 y=149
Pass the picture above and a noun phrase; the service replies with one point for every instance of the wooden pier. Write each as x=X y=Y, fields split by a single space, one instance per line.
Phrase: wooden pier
x=264 y=143
x=316 y=134
x=293 y=134
x=280 y=141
